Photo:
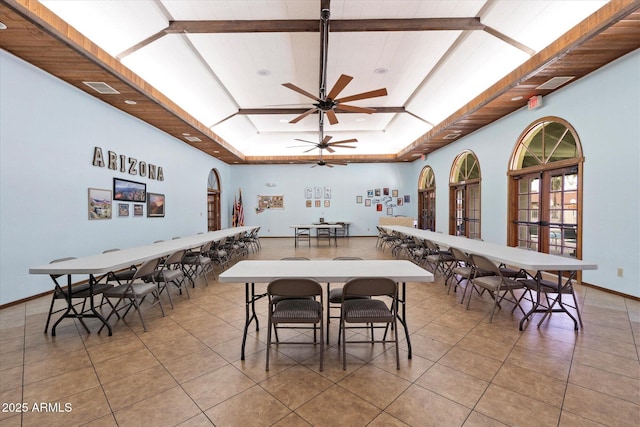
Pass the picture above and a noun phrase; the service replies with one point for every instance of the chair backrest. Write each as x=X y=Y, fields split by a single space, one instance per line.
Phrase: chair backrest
x=370 y=286
x=295 y=288
x=485 y=264
x=431 y=246
x=175 y=258
x=206 y=248
x=146 y=268
x=459 y=255
x=294 y=258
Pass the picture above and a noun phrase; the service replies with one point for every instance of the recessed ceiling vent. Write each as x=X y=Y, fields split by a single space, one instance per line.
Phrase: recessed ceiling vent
x=192 y=139
x=555 y=82
x=102 y=87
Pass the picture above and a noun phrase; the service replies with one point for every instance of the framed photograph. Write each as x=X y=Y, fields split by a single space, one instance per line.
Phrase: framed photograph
x=358 y=199
x=367 y=202
x=379 y=207
x=317 y=192
x=407 y=198
x=389 y=211
x=138 y=210
x=99 y=204
x=369 y=193
x=317 y=203
x=308 y=202
x=155 y=205
x=394 y=193
x=327 y=203
x=327 y=192
x=377 y=192
x=400 y=201
x=129 y=191
x=308 y=193
x=123 y=209
x=385 y=191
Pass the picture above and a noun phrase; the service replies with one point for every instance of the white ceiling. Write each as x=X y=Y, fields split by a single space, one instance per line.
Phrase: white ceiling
x=429 y=73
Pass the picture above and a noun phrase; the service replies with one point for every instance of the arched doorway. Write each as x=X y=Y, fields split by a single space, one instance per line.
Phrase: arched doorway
x=213 y=201
x=427 y=199
x=464 y=196
x=545 y=189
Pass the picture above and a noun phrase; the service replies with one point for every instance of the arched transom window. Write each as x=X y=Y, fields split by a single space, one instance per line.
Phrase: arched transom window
x=464 y=197
x=545 y=189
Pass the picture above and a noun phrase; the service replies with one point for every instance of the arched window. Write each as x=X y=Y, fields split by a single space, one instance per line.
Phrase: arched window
x=464 y=196
x=427 y=199
x=545 y=195
x=213 y=201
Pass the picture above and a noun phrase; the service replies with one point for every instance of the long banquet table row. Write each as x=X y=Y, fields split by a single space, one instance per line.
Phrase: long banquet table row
x=99 y=265
x=536 y=264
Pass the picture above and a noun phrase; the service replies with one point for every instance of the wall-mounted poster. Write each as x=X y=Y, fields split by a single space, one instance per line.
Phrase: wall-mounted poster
x=317 y=192
x=99 y=204
x=123 y=209
x=407 y=198
x=394 y=193
x=369 y=193
x=400 y=201
x=308 y=202
x=327 y=203
x=367 y=202
x=377 y=192
x=155 y=205
x=308 y=193
x=317 y=203
x=129 y=191
x=379 y=207
x=138 y=210
x=385 y=191
x=358 y=199
x=270 y=202
x=389 y=211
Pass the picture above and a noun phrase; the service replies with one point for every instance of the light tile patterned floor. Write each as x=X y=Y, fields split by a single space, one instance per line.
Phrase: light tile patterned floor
x=186 y=370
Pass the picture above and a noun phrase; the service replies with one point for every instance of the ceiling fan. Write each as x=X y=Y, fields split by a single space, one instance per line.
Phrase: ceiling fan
x=324 y=144
x=322 y=162
x=329 y=103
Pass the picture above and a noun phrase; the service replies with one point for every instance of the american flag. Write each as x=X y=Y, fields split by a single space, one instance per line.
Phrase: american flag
x=240 y=212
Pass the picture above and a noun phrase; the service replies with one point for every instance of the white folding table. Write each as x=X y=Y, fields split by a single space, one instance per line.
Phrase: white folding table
x=527 y=260
x=331 y=271
x=96 y=266
x=303 y=231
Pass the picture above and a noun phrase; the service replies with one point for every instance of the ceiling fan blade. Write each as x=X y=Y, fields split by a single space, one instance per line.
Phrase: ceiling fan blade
x=326 y=139
x=304 y=140
x=342 y=82
x=331 y=150
x=332 y=117
x=342 y=146
x=364 y=95
x=310 y=149
x=344 y=141
x=303 y=115
x=328 y=165
x=300 y=91
x=297 y=146
x=336 y=164
x=355 y=109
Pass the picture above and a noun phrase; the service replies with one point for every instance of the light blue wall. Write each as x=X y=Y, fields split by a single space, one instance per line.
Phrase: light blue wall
x=604 y=109
x=345 y=182
x=48 y=131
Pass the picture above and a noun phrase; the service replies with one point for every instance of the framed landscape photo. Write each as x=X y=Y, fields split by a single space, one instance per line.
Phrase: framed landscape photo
x=129 y=191
x=99 y=203
x=138 y=210
x=155 y=205
x=123 y=209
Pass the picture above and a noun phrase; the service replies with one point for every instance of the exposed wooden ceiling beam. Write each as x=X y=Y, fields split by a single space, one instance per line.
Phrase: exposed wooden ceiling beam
x=311 y=25
x=260 y=111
